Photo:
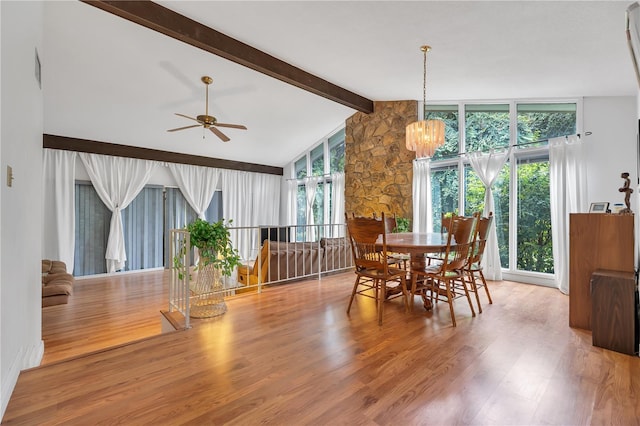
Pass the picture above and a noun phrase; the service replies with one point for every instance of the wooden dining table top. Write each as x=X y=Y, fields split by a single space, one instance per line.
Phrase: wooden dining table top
x=415 y=242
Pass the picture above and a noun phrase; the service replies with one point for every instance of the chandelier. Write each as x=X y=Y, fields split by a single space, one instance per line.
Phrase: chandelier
x=425 y=136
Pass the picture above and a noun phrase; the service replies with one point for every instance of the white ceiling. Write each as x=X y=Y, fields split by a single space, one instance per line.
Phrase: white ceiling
x=110 y=80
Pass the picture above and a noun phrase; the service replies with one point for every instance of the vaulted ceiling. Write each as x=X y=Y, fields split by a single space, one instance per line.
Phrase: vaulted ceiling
x=108 y=79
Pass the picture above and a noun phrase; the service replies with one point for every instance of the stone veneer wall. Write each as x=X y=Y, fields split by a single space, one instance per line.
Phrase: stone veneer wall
x=378 y=166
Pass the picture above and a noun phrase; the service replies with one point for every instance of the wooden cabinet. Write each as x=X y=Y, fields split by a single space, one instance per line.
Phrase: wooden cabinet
x=614 y=317
x=596 y=241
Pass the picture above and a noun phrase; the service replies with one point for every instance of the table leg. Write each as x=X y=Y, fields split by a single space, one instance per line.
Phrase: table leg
x=419 y=262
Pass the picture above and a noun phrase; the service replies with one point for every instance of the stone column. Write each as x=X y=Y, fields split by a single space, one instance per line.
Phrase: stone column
x=378 y=166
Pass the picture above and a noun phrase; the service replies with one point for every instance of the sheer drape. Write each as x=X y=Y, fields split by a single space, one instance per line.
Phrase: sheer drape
x=487 y=166
x=117 y=181
x=337 y=204
x=291 y=214
x=197 y=184
x=567 y=181
x=59 y=211
x=311 y=185
x=422 y=209
x=249 y=199
x=266 y=199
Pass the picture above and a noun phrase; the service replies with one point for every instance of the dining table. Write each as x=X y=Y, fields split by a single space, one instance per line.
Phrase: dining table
x=416 y=245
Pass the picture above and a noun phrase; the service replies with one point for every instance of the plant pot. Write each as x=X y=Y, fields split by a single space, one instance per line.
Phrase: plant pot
x=207 y=293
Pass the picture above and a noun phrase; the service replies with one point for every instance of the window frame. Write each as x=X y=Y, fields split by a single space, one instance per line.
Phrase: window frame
x=516 y=153
x=326 y=179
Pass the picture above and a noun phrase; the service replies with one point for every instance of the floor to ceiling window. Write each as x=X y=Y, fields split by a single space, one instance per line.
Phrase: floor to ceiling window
x=321 y=162
x=521 y=190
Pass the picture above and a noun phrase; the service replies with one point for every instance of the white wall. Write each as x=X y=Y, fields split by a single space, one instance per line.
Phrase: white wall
x=21 y=205
x=611 y=148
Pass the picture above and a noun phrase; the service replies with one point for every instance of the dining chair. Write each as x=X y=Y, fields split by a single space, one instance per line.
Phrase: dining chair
x=438 y=281
x=474 y=264
x=394 y=259
x=372 y=269
x=446 y=223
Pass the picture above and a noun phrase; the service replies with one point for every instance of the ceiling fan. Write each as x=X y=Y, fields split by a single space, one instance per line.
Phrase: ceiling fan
x=207 y=121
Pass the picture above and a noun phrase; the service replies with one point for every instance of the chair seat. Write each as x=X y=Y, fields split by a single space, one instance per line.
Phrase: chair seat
x=375 y=274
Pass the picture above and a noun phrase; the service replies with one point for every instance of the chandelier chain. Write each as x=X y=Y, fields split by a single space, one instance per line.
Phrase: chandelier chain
x=424 y=49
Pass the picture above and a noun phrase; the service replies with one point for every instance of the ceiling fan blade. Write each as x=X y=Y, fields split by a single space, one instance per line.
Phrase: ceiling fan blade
x=185 y=116
x=233 y=126
x=182 y=128
x=219 y=134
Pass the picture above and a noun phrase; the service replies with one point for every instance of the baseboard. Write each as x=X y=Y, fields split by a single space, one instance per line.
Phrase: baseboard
x=26 y=358
x=34 y=356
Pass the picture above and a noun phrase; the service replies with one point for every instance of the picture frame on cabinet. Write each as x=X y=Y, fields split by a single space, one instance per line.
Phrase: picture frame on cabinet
x=599 y=207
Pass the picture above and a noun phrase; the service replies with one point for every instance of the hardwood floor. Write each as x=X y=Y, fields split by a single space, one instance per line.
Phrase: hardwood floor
x=104 y=312
x=292 y=356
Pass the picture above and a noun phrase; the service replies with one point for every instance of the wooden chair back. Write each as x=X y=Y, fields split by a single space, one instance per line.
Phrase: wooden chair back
x=459 y=242
x=363 y=234
x=446 y=221
x=389 y=222
x=480 y=239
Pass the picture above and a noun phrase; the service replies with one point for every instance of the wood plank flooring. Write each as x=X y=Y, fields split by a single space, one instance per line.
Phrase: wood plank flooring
x=291 y=356
x=103 y=312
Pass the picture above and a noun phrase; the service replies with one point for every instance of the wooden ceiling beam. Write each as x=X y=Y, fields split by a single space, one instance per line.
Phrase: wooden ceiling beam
x=159 y=18
x=105 y=148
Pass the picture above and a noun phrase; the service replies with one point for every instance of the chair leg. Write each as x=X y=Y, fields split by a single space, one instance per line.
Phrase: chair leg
x=353 y=293
x=466 y=292
x=474 y=288
x=450 y=301
x=486 y=288
x=405 y=294
x=382 y=290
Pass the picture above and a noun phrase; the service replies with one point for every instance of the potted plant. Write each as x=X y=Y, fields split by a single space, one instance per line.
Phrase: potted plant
x=213 y=241
x=217 y=258
x=402 y=225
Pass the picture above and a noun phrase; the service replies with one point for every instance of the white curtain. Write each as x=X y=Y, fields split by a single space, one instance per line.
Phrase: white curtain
x=567 y=181
x=487 y=166
x=337 y=204
x=249 y=199
x=117 y=181
x=311 y=185
x=197 y=184
x=266 y=199
x=236 y=206
x=291 y=214
x=422 y=209
x=59 y=206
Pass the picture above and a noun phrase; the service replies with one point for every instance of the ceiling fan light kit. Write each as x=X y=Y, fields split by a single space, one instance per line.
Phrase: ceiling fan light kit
x=207 y=121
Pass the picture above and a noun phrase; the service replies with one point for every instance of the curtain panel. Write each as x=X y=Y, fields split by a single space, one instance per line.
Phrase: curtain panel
x=311 y=185
x=58 y=201
x=249 y=199
x=422 y=209
x=487 y=166
x=197 y=184
x=117 y=181
x=337 y=204
x=568 y=192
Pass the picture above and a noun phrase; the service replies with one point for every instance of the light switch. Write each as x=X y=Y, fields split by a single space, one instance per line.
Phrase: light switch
x=9 y=176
